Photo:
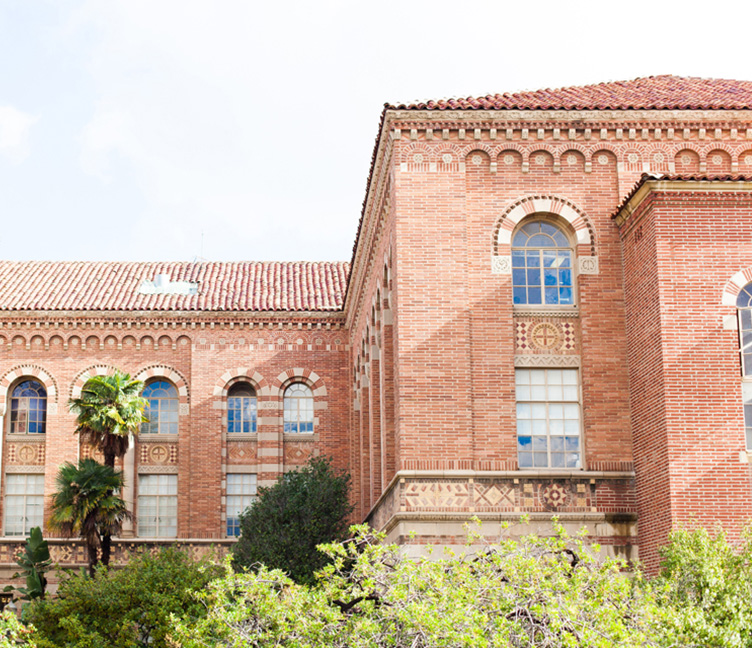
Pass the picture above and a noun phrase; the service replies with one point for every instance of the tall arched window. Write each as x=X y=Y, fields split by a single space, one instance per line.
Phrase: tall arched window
x=542 y=265
x=298 y=408
x=28 y=408
x=162 y=409
x=241 y=408
x=744 y=306
x=744 y=310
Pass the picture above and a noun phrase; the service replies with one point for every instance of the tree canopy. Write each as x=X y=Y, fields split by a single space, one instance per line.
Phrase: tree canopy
x=305 y=508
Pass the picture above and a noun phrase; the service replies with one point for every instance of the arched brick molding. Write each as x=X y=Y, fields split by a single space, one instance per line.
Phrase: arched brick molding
x=32 y=371
x=543 y=204
x=174 y=376
x=734 y=286
x=233 y=376
x=307 y=376
x=83 y=377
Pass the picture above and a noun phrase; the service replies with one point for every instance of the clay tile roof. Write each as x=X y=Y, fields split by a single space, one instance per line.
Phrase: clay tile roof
x=665 y=92
x=243 y=286
x=647 y=177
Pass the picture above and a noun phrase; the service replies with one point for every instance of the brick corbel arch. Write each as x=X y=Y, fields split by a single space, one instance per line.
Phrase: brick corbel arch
x=34 y=371
x=83 y=377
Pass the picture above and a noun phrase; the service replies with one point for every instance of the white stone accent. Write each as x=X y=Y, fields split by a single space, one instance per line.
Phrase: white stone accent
x=184 y=409
x=501 y=265
x=587 y=265
x=730 y=322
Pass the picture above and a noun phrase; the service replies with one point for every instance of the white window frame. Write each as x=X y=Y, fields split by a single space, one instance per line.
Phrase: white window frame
x=547 y=401
x=239 y=497
x=26 y=498
x=165 y=505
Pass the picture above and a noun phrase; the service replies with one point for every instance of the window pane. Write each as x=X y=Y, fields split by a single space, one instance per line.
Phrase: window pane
x=548 y=429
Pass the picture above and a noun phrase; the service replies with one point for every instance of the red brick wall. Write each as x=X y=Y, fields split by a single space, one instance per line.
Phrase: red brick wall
x=205 y=357
x=680 y=249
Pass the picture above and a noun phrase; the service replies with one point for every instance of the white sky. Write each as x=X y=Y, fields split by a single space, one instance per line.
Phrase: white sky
x=129 y=127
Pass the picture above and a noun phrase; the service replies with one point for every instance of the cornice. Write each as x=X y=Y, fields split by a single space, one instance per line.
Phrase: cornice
x=568 y=116
x=624 y=215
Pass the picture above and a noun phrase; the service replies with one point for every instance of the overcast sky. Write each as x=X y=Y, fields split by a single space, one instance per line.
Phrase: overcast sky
x=128 y=128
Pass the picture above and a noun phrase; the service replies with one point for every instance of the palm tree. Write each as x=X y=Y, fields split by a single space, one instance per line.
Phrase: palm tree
x=86 y=504
x=109 y=410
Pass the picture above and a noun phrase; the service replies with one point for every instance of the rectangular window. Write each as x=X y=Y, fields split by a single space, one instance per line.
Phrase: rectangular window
x=241 y=493
x=548 y=418
x=24 y=503
x=158 y=506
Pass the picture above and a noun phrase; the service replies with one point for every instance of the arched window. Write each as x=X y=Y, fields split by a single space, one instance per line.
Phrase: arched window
x=744 y=306
x=28 y=408
x=542 y=265
x=162 y=409
x=298 y=408
x=744 y=310
x=241 y=408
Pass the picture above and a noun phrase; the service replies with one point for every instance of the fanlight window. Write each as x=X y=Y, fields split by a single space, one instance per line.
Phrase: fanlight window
x=298 y=407
x=162 y=408
x=28 y=408
x=241 y=409
x=542 y=265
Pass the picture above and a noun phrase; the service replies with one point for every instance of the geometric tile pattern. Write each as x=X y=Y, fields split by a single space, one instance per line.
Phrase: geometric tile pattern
x=496 y=496
x=26 y=454
x=437 y=495
x=241 y=451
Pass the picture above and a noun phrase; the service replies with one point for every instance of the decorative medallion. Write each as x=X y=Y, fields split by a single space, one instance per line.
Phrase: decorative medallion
x=545 y=336
x=540 y=159
x=571 y=160
x=418 y=158
x=554 y=495
x=509 y=160
x=476 y=160
x=633 y=158
x=27 y=454
x=748 y=159
x=686 y=159
x=716 y=159
x=159 y=454
x=446 y=158
x=603 y=160
x=658 y=157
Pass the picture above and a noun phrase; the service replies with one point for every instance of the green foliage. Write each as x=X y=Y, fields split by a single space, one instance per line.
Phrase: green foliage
x=124 y=608
x=706 y=589
x=302 y=510
x=13 y=634
x=87 y=503
x=34 y=562
x=108 y=411
x=537 y=592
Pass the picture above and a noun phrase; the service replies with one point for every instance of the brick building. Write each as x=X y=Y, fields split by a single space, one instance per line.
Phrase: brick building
x=541 y=315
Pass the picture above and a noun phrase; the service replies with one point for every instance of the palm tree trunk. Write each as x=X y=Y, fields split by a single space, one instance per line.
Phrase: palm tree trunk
x=106 y=548
x=93 y=559
x=109 y=460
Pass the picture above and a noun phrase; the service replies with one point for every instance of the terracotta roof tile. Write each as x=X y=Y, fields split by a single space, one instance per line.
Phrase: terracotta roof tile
x=243 y=286
x=665 y=92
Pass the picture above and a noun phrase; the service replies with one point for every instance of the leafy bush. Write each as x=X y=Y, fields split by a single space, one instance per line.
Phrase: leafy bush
x=34 y=562
x=13 y=634
x=289 y=520
x=535 y=592
x=123 y=608
x=706 y=589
